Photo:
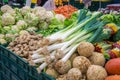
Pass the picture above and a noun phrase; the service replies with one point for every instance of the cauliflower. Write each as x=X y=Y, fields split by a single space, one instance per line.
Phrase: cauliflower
x=3 y=41
x=5 y=8
x=12 y=12
x=6 y=29
x=25 y=10
x=2 y=36
x=40 y=12
x=36 y=9
x=31 y=19
x=8 y=19
x=49 y=16
x=10 y=37
x=23 y=32
x=21 y=24
x=15 y=27
x=30 y=29
x=43 y=25
x=60 y=17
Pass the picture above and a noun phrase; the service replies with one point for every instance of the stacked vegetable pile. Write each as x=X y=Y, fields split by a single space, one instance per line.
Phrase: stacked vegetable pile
x=66 y=10
x=75 y=48
x=13 y=21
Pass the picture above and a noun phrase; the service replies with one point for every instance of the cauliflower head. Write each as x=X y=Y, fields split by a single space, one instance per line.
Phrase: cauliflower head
x=8 y=19
x=60 y=17
x=5 y=8
x=36 y=9
x=25 y=9
x=31 y=19
x=15 y=27
x=49 y=16
x=40 y=12
x=21 y=24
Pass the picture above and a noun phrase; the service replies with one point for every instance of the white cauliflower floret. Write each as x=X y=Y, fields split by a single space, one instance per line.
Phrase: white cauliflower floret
x=36 y=9
x=12 y=12
x=31 y=29
x=49 y=16
x=60 y=17
x=31 y=19
x=15 y=27
x=23 y=32
x=21 y=24
x=5 y=8
x=43 y=25
x=10 y=37
x=40 y=12
x=25 y=10
x=3 y=41
x=2 y=36
x=8 y=19
x=6 y=28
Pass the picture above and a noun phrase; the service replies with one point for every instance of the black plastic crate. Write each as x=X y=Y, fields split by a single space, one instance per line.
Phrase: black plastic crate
x=18 y=68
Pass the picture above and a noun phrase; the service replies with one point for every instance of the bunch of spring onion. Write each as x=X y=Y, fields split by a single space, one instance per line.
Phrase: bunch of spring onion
x=64 y=43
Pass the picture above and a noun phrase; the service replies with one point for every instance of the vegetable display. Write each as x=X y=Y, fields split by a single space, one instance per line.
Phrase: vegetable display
x=12 y=21
x=66 y=43
x=66 y=10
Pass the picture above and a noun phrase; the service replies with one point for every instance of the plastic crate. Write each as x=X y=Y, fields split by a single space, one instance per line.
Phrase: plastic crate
x=19 y=68
x=18 y=60
x=13 y=67
x=8 y=75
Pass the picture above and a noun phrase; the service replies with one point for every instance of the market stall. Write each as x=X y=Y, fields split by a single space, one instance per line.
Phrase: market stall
x=66 y=43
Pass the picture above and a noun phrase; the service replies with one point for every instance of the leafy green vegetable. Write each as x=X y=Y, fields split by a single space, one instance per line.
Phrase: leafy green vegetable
x=1 y=13
x=73 y=18
x=116 y=37
x=48 y=31
x=55 y=21
x=112 y=18
x=53 y=27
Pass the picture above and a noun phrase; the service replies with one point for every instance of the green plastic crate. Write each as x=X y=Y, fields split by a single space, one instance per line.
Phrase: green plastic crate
x=8 y=75
x=18 y=67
